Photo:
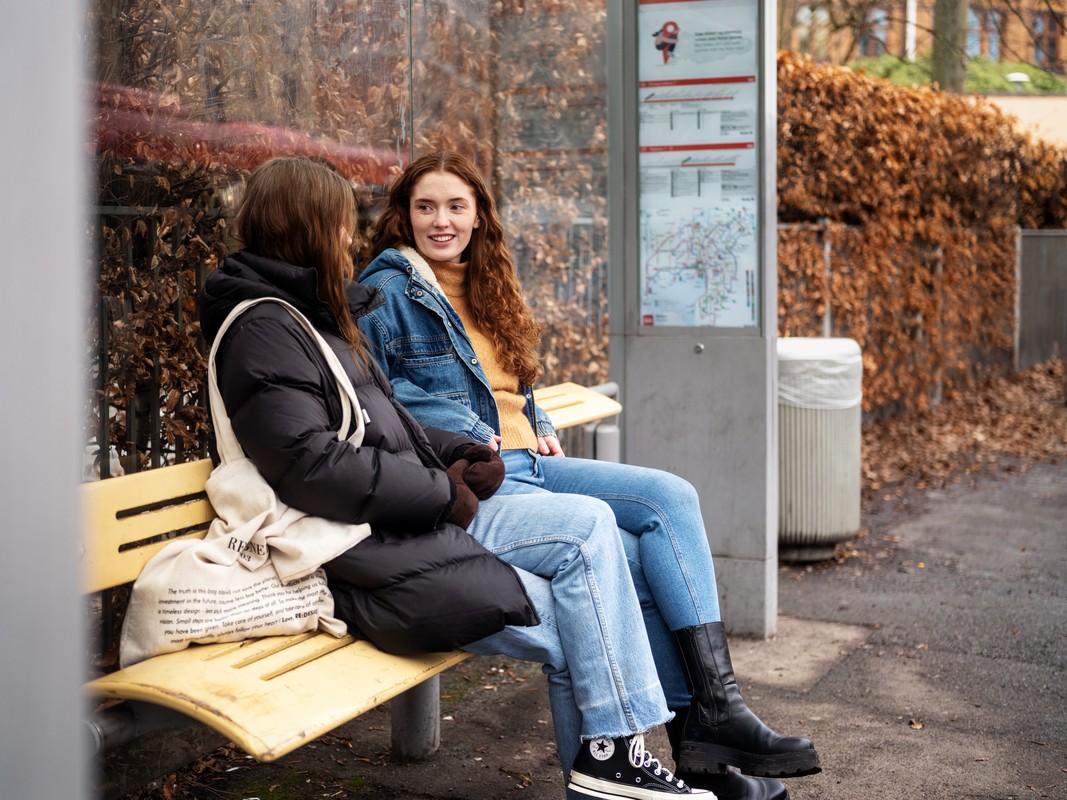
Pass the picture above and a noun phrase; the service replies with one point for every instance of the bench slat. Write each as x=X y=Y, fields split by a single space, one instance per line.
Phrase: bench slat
x=270 y=706
x=569 y=404
x=107 y=529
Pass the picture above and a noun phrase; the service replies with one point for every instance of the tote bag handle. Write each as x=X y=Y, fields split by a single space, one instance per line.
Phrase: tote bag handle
x=228 y=446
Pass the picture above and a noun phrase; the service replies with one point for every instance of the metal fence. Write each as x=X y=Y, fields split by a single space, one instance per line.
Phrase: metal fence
x=1041 y=311
x=129 y=407
x=927 y=318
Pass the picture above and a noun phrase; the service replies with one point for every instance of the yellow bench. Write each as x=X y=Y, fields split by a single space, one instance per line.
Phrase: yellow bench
x=274 y=694
x=570 y=405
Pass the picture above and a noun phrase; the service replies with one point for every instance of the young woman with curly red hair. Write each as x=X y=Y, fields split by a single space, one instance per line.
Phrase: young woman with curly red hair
x=460 y=346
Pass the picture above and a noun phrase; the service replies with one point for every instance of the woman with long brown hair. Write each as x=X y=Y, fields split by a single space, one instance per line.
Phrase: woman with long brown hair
x=460 y=344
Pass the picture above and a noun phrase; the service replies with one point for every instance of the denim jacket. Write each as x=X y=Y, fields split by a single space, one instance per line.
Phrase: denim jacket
x=422 y=346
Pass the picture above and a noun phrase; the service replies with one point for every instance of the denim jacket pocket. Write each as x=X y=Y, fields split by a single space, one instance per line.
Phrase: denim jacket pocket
x=431 y=365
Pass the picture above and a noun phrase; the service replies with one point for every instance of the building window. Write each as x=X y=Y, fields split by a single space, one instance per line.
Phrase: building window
x=1047 y=25
x=994 y=25
x=813 y=31
x=974 y=33
x=983 y=33
x=873 y=38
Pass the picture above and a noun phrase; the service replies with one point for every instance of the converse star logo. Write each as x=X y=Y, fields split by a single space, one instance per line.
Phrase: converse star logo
x=601 y=749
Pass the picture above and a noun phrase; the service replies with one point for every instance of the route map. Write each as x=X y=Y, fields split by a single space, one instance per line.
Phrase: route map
x=698 y=270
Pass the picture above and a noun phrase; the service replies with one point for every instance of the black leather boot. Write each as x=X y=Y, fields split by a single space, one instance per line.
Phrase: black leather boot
x=719 y=727
x=726 y=783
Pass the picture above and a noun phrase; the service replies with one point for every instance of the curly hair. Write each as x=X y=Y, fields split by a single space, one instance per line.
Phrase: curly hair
x=293 y=210
x=494 y=293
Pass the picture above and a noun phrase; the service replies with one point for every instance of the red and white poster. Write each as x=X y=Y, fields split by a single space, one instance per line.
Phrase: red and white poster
x=698 y=107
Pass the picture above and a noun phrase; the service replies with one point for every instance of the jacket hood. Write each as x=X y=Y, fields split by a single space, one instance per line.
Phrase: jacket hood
x=246 y=276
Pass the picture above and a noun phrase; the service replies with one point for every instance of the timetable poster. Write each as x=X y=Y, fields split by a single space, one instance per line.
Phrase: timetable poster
x=698 y=108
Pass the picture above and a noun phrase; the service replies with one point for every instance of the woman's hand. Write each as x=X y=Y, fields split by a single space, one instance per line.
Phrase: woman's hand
x=494 y=443
x=549 y=446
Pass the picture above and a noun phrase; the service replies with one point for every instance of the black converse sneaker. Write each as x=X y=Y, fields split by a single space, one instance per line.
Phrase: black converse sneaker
x=612 y=768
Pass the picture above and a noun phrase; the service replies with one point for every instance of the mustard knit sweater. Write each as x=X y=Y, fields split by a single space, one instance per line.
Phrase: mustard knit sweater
x=515 y=428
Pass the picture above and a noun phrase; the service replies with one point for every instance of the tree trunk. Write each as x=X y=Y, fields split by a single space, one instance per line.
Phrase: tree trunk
x=950 y=44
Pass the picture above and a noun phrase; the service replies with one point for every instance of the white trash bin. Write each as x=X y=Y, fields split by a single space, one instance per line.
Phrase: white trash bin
x=820 y=389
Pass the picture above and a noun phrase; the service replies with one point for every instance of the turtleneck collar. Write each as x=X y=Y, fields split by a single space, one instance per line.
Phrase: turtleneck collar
x=451 y=276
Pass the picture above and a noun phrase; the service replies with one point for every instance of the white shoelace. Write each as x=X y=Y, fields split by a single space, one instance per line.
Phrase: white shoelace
x=640 y=757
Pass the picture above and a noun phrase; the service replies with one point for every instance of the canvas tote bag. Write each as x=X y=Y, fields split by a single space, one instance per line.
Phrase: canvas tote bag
x=257 y=572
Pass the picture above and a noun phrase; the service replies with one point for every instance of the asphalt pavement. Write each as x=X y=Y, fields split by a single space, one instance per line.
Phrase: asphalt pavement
x=931 y=662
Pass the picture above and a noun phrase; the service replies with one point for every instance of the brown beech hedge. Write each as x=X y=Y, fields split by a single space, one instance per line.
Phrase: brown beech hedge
x=898 y=213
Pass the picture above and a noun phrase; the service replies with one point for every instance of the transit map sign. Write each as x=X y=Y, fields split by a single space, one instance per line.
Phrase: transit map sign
x=698 y=109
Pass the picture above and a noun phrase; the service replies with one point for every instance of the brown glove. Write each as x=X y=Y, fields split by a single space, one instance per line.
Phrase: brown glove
x=479 y=452
x=464 y=503
x=482 y=470
x=485 y=477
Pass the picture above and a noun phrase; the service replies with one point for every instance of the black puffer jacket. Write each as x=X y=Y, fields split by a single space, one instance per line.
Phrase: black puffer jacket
x=284 y=406
x=404 y=590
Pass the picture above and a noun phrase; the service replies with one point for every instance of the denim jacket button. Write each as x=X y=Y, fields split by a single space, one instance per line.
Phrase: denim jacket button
x=418 y=294
x=474 y=361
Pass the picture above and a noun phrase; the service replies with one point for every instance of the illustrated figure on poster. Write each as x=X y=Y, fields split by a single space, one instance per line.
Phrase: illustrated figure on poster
x=666 y=40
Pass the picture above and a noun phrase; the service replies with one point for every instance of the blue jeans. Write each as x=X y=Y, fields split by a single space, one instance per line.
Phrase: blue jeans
x=602 y=676
x=662 y=529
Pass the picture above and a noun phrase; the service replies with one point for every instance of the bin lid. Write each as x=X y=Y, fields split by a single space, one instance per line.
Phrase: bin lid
x=820 y=373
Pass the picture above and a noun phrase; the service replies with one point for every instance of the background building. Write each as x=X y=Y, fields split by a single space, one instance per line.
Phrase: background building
x=842 y=31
